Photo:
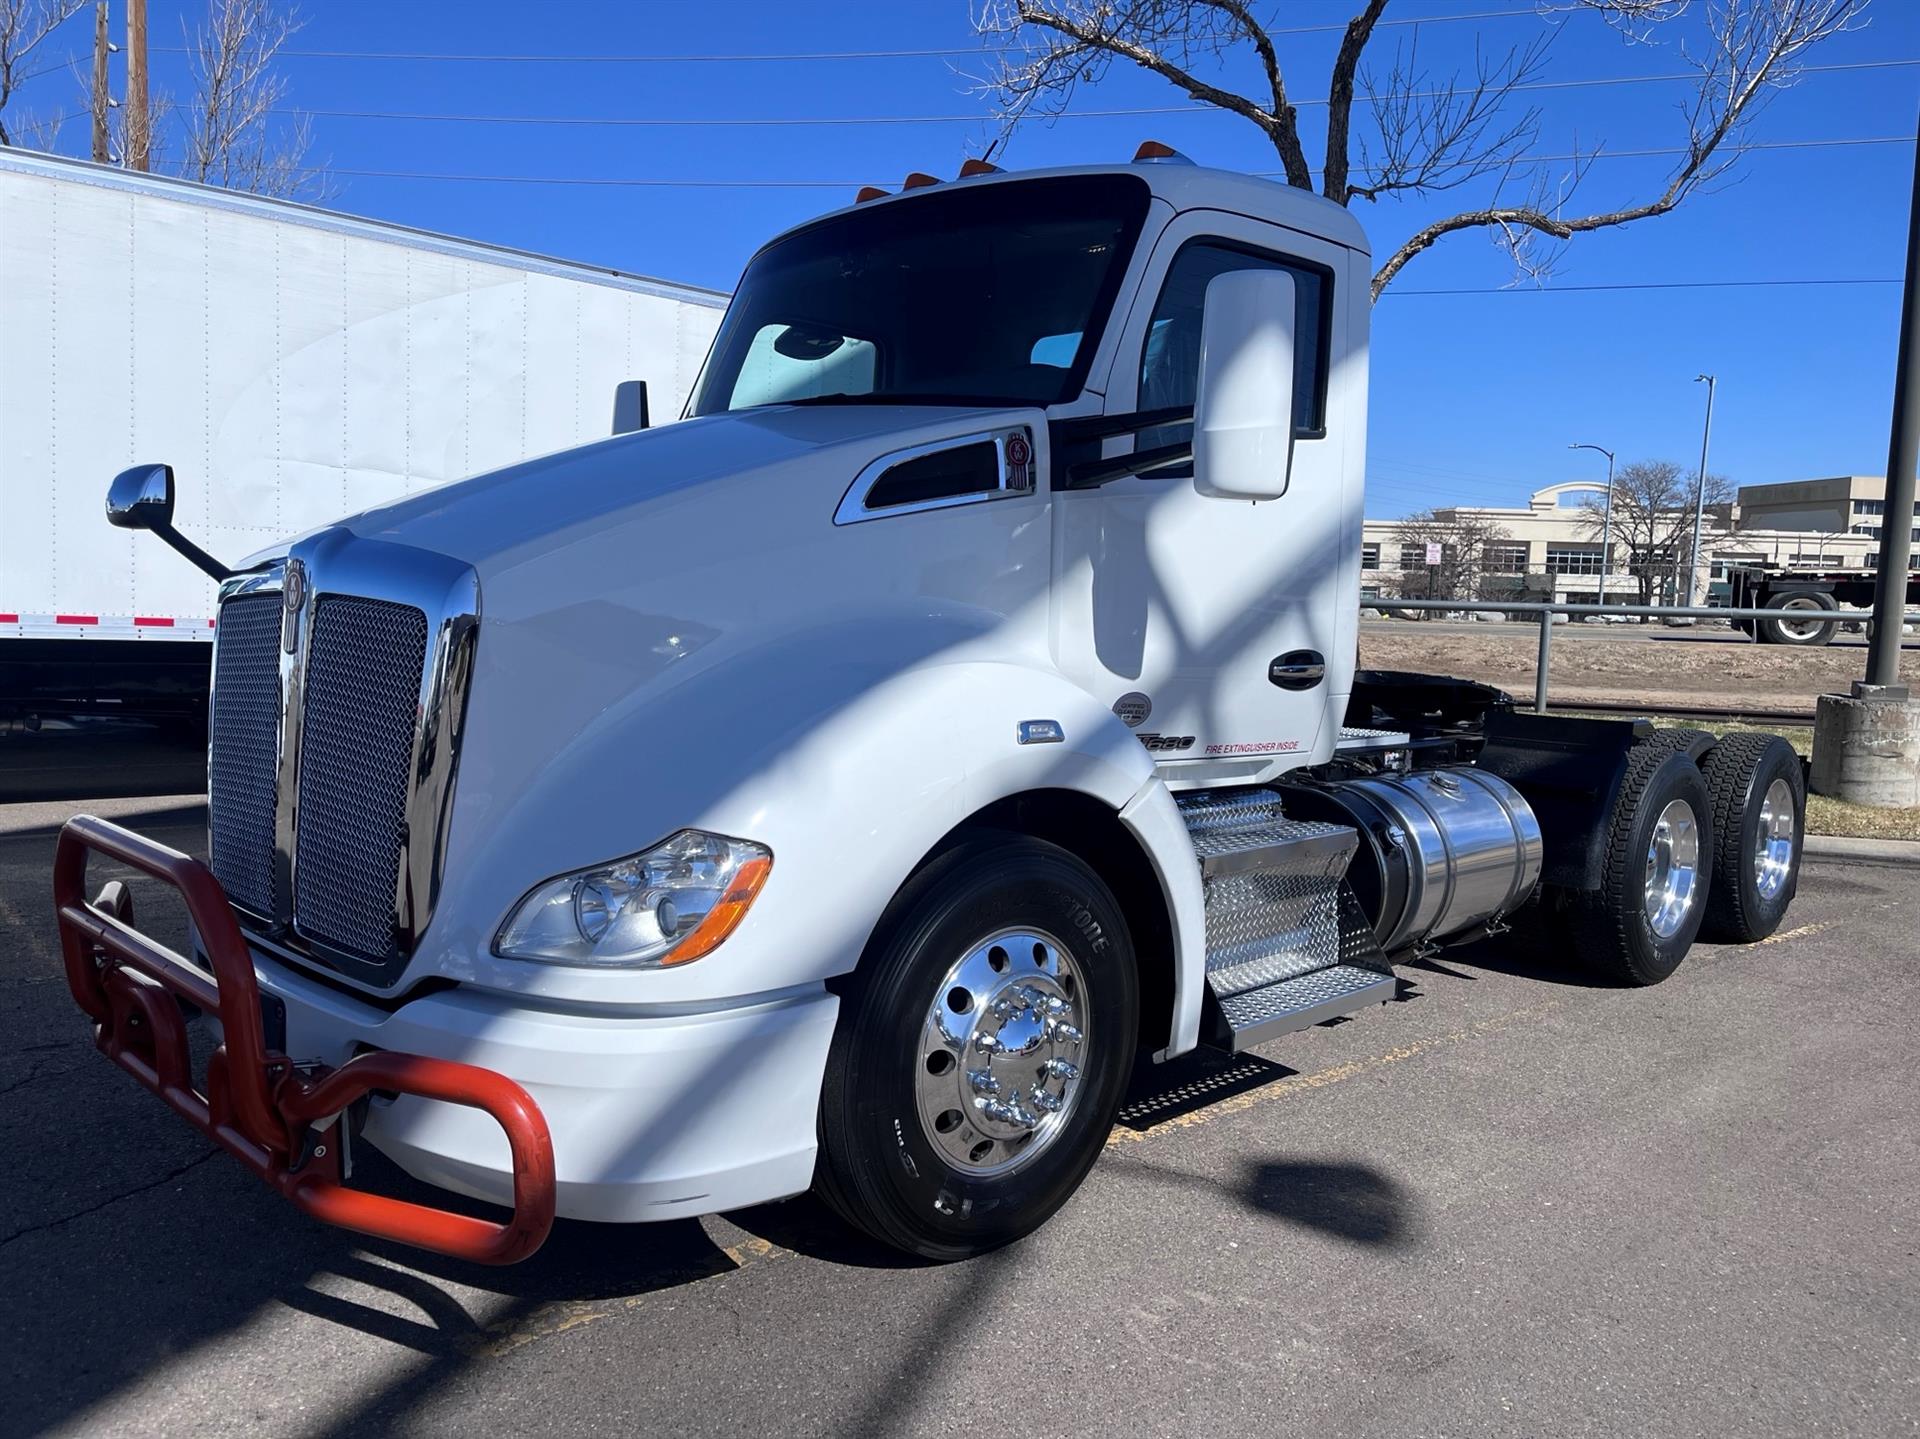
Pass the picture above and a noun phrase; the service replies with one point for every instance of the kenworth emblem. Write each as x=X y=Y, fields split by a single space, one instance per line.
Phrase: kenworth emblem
x=293 y=594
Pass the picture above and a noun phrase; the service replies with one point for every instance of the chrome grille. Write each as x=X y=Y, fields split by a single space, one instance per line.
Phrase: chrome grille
x=244 y=751
x=362 y=704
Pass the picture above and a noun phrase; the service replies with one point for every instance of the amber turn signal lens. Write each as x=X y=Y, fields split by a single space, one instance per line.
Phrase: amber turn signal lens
x=725 y=916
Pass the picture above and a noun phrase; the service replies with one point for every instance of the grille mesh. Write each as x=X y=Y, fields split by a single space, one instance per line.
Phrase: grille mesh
x=356 y=744
x=241 y=768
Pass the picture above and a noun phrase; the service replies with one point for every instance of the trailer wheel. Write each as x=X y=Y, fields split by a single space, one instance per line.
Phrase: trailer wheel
x=981 y=1052
x=1659 y=854
x=1759 y=803
x=1799 y=630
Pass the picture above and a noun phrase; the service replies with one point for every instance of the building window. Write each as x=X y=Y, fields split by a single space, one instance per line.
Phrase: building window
x=1814 y=561
x=1414 y=557
x=1869 y=507
x=1573 y=559
x=1370 y=556
x=1507 y=557
x=1872 y=531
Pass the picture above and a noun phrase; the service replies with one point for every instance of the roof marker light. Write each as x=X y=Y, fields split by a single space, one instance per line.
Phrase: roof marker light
x=869 y=192
x=919 y=180
x=977 y=166
x=1154 y=152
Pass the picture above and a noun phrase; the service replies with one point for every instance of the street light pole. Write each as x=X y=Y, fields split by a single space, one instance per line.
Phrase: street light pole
x=1700 y=492
x=1606 y=523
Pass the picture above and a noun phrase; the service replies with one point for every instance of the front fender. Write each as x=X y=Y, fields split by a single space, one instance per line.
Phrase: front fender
x=849 y=751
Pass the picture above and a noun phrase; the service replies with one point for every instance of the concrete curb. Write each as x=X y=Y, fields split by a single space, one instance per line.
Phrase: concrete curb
x=1867 y=851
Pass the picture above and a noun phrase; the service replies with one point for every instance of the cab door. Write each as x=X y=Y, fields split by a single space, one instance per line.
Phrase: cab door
x=1216 y=627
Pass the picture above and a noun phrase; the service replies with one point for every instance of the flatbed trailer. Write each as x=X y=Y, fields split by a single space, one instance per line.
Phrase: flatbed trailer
x=1813 y=604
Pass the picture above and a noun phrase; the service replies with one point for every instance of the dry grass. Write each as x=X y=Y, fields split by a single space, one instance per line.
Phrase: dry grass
x=1857 y=821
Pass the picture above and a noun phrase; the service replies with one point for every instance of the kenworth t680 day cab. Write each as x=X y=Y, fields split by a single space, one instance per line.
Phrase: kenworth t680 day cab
x=839 y=787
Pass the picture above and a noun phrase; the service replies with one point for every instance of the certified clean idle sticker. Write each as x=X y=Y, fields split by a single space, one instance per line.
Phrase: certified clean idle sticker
x=1133 y=709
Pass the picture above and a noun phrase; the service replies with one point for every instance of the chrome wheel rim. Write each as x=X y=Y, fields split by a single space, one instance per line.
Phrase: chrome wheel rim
x=1773 y=845
x=1673 y=868
x=1802 y=629
x=1002 y=1052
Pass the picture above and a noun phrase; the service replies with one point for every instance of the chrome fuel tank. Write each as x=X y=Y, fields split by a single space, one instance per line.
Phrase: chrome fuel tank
x=1447 y=850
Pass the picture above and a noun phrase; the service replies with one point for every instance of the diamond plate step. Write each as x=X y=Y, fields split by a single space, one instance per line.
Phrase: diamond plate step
x=1257 y=1015
x=1287 y=943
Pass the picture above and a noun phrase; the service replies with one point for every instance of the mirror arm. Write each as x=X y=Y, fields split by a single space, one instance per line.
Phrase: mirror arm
x=193 y=552
x=1075 y=443
x=1092 y=474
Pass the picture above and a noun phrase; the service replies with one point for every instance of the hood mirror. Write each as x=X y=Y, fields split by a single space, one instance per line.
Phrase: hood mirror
x=142 y=499
x=807 y=342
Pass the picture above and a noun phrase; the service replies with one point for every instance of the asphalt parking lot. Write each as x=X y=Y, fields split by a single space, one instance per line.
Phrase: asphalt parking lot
x=1510 y=1202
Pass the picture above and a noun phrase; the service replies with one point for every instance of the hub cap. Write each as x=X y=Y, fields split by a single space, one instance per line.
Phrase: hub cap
x=1002 y=1052
x=1673 y=865
x=1773 y=847
x=1803 y=629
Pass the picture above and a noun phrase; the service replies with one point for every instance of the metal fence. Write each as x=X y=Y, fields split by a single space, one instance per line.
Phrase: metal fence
x=1544 y=610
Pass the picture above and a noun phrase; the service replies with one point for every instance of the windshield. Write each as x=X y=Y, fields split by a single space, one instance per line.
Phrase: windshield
x=989 y=295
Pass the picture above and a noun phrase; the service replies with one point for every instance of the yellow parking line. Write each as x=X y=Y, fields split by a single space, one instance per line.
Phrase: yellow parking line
x=1801 y=933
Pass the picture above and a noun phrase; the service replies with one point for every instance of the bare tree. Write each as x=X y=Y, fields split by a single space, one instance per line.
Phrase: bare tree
x=26 y=25
x=1653 y=519
x=231 y=137
x=1467 y=559
x=1428 y=133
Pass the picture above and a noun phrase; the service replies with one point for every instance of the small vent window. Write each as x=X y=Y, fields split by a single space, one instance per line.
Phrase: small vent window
x=944 y=475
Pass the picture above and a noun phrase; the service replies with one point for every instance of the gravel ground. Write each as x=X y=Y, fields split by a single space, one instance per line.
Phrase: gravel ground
x=1603 y=663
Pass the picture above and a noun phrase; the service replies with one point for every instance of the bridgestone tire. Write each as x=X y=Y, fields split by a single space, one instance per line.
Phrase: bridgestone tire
x=1739 y=772
x=877 y=1168
x=1609 y=928
x=1805 y=608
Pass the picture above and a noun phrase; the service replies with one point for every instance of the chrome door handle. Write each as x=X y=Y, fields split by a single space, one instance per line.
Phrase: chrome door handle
x=1298 y=670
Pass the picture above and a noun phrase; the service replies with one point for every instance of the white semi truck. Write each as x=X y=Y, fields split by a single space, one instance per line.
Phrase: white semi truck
x=839 y=788
x=300 y=363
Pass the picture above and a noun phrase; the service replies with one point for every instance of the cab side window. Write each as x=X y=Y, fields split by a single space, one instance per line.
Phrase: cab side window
x=1170 y=358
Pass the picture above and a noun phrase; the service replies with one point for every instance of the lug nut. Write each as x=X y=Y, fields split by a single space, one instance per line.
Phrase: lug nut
x=1062 y=1069
x=1051 y=1103
x=983 y=1081
x=1065 y=1033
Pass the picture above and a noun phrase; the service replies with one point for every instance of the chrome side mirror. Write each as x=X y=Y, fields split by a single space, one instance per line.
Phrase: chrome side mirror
x=141 y=498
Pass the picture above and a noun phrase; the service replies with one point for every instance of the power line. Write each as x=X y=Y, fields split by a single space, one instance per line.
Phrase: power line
x=782 y=121
x=642 y=182
x=1640 y=285
x=822 y=55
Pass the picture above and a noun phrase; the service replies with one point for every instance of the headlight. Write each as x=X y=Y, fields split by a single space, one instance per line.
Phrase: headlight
x=670 y=905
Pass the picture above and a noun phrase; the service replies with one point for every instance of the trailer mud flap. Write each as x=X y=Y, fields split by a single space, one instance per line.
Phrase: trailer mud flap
x=283 y=1125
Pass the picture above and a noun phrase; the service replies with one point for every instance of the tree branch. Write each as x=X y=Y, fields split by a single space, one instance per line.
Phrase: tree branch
x=1333 y=180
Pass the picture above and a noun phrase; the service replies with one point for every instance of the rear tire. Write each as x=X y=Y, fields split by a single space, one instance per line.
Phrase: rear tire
x=1759 y=801
x=1800 y=630
x=1659 y=853
x=1004 y=937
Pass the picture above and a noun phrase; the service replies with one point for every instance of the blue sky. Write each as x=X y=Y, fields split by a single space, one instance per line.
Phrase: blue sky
x=1475 y=396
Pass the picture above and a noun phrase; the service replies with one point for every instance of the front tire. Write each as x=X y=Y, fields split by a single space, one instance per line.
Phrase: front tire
x=1643 y=919
x=982 y=1049
x=1759 y=801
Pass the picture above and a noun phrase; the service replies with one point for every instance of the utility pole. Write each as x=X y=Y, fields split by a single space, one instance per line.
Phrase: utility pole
x=1606 y=523
x=1903 y=455
x=139 y=133
x=101 y=45
x=1700 y=492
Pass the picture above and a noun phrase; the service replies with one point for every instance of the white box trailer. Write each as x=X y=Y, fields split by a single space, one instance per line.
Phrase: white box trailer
x=294 y=365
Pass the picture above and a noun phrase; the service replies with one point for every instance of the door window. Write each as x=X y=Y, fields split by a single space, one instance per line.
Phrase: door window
x=1170 y=358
